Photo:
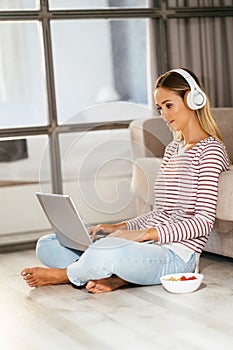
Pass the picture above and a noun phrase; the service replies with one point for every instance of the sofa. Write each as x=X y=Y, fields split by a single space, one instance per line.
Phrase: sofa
x=149 y=138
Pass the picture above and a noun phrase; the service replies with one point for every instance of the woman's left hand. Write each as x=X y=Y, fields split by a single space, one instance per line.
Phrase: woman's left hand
x=135 y=235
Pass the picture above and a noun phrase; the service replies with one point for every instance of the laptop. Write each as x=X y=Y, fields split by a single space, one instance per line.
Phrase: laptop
x=65 y=220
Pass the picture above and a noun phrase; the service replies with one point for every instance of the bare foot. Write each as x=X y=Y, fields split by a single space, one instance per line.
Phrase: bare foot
x=105 y=284
x=41 y=276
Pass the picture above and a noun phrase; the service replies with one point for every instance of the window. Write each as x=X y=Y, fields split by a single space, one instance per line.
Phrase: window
x=97 y=4
x=106 y=64
x=96 y=172
x=22 y=86
x=14 y=5
x=24 y=169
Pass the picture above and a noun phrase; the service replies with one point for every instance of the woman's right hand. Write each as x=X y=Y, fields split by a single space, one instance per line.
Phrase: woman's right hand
x=105 y=229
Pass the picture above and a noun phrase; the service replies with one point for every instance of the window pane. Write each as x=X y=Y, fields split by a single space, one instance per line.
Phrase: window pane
x=24 y=169
x=90 y=4
x=22 y=84
x=19 y=4
x=96 y=170
x=106 y=64
x=198 y=3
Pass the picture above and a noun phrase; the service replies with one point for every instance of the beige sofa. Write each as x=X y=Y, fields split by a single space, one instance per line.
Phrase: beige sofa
x=149 y=138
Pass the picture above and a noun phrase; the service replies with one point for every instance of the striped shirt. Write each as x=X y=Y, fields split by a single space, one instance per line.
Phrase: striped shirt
x=186 y=191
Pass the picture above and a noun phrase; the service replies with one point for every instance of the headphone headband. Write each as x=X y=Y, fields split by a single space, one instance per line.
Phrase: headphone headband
x=195 y=98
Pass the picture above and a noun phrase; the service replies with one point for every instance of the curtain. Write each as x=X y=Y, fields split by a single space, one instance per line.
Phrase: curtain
x=205 y=46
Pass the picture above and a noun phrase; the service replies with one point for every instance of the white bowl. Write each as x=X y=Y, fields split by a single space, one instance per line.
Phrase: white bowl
x=179 y=286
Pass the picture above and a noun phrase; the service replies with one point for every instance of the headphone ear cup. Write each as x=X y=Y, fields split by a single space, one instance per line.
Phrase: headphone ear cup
x=199 y=98
x=195 y=99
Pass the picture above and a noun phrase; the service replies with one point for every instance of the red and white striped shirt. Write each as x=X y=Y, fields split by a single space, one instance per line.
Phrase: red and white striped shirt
x=186 y=191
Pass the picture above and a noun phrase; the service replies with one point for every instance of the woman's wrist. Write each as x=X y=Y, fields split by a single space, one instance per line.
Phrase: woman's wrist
x=121 y=226
x=152 y=234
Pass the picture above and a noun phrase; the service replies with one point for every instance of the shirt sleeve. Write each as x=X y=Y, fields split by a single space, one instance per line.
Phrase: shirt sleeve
x=213 y=160
x=138 y=222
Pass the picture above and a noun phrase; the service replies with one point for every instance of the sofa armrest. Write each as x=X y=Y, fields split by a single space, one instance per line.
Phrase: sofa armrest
x=149 y=137
x=225 y=196
x=144 y=174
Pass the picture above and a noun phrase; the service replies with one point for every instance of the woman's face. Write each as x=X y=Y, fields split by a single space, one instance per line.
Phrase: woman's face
x=172 y=109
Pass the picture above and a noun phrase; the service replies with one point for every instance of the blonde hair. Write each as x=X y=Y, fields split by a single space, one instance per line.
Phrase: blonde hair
x=175 y=82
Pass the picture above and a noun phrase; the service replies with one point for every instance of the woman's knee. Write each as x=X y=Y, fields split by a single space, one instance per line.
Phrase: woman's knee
x=44 y=248
x=44 y=242
x=106 y=250
x=52 y=254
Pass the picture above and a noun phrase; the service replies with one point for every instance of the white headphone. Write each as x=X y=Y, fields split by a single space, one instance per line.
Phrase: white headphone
x=195 y=98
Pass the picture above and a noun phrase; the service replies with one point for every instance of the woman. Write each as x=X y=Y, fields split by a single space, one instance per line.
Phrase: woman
x=184 y=211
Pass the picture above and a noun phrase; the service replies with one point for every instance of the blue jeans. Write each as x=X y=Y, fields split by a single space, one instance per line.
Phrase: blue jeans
x=138 y=263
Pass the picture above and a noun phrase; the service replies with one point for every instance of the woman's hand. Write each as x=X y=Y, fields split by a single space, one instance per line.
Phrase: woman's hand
x=105 y=229
x=136 y=235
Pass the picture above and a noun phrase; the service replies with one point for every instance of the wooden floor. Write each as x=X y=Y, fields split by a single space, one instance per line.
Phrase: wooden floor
x=149 y=318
